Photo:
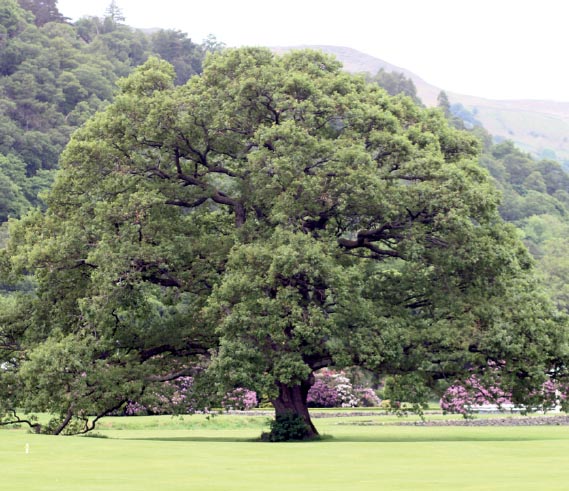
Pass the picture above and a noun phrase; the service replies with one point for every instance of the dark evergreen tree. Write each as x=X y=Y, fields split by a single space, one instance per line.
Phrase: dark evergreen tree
x=444 y=103
x=179 y=50
x=44 y=11
x=396 y=83
x=114 y=13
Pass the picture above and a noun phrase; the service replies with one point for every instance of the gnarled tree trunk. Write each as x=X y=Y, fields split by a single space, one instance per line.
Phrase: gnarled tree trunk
x=293 y=400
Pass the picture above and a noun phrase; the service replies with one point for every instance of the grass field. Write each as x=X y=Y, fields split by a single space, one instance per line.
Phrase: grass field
x=163 y=453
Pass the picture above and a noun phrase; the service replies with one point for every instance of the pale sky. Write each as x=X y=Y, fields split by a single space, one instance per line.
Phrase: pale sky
x=499 y=49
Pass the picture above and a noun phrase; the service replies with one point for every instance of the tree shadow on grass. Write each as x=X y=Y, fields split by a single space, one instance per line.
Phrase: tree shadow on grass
x=365 y=439
x=210 y=439
x=441 y=439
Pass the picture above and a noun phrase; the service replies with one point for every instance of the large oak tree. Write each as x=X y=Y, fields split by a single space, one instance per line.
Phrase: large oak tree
x=269 y=218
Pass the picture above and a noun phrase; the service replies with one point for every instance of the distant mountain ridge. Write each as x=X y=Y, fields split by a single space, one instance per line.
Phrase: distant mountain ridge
x=538 y=127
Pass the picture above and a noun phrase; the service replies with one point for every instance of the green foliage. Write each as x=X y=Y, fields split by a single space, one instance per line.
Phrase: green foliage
x=535 y=182
x=409 y=388
x=13 y=19
x=114 y=13
x=528 y=187
x=287 y=427
x=12 y=200
x=396 y=83
x=535 y=197
x=55 y=76
x=44 y=11
x=444 y=103
x=268 y=218
x=176 y=48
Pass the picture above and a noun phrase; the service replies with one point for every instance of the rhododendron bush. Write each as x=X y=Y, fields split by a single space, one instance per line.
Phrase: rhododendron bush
x=240 y=399
x=463 y=398
x=468 y=396
x=176 y=397
x=334 y=389
x=172 y=397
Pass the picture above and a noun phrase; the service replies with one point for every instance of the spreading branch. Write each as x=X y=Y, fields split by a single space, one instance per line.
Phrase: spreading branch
x=14 y=419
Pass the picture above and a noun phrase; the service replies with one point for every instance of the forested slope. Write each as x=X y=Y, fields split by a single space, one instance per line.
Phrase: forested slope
x=54 y=76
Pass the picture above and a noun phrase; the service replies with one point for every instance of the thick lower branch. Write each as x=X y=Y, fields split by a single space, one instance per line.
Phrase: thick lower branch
x=170 y=376
x=189 y=349
x=361 y=243
x=17 y=420
x=91 y=426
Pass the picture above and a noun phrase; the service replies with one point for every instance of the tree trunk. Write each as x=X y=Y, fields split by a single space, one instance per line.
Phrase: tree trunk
x=65 y=421
x=293 y=400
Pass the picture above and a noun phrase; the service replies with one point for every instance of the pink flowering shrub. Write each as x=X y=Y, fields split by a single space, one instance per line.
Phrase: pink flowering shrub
x=135 y=409
x=463 y=398
x=367 y=397
x=176 y=397
x=334 y=389
x=167 y=398
x=240 y=399
x=322 y=395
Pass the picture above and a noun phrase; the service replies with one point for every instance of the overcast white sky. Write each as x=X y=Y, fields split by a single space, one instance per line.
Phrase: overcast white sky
x=500 y=49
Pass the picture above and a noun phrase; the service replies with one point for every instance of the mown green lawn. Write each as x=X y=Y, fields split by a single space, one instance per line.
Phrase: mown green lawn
x=198 y=454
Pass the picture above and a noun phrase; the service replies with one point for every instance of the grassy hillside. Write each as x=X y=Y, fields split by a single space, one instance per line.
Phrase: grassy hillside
x=538 y=127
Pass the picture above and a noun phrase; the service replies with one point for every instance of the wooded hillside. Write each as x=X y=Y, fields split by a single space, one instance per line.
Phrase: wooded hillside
x=54 y=76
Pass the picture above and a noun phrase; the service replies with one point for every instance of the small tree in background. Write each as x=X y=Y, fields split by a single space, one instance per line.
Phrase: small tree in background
x=114 y=13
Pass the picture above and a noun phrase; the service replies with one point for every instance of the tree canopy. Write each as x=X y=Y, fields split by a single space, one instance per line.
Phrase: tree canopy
x=271 y=217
